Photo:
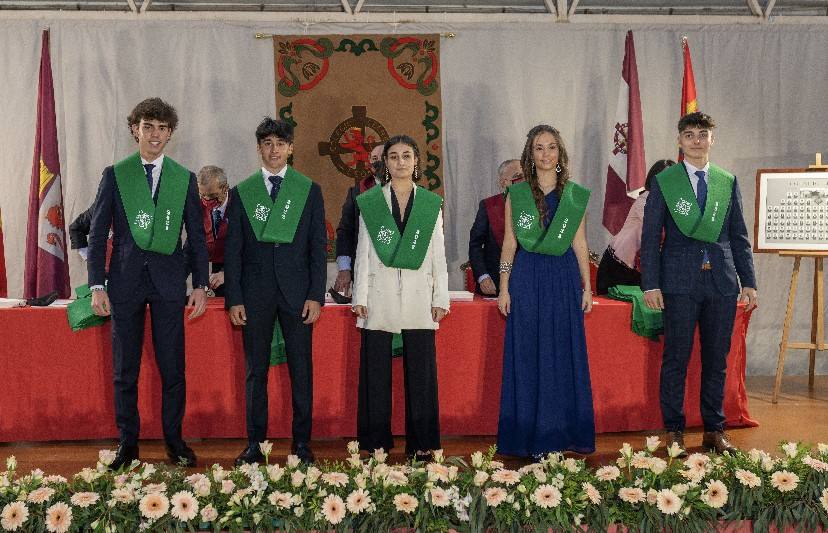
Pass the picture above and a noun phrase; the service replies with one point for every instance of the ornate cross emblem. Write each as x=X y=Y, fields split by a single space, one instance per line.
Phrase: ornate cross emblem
x=525 y=220
x=683 y=207
x=143 y=219
x=384 y=235
x=620 y=139
x=261 y=213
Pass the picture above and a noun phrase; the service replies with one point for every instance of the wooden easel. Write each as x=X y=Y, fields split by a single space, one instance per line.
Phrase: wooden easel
x=817 y=313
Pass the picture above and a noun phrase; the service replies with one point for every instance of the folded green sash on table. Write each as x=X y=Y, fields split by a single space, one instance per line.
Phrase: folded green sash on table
x=646 y=322
x=80 y=312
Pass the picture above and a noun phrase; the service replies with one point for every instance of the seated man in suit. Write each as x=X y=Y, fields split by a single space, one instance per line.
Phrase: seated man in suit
x=486 y=235
x=692 y=276
x=347 y=233
x=213 y=190
x=275 y=268
x=146 y=199
x=79 y=230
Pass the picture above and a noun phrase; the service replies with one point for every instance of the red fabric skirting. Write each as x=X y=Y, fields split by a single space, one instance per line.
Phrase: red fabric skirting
x=58 y=384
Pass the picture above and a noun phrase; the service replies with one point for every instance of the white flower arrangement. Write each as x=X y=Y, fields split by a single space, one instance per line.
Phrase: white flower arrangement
x=644 y=492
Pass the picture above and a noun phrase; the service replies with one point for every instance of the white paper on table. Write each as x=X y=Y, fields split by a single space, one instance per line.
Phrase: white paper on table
x=461 y=296
x=8 y=303
x=60 y=303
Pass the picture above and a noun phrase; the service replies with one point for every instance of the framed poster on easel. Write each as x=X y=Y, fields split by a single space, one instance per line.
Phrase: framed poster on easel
x=791 y=211
x=792 y=220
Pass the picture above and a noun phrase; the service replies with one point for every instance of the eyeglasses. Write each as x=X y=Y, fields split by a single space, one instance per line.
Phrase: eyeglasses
x=516 y=176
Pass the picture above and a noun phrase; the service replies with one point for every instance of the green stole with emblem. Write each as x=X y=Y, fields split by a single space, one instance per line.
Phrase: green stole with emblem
x=681 y=201
x=394 y=250
x=556 y=238
x=275 y=221
x=154 y=227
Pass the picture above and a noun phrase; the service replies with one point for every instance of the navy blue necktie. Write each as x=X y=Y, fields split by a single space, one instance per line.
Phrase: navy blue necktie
x=276 y=182
x=216 y=222
x=701 y=190
x=148 y=168
x=701 y=198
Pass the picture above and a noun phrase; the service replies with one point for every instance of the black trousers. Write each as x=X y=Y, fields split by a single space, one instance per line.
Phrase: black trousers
x=167 y=318
x=422 y=416
x=257 y=336
x=612 y=272
x=714 y=313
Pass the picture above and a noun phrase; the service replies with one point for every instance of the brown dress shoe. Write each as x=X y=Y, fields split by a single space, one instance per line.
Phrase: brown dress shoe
x=678 y=438
x=717 y=441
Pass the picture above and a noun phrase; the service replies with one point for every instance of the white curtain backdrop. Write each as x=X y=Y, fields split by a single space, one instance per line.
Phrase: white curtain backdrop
x=764 y=84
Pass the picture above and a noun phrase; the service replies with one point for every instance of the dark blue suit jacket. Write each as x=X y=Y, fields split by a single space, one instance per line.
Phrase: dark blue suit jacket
x=168 y=272
x=674 y=266
x=298 y=269
x=484 y=253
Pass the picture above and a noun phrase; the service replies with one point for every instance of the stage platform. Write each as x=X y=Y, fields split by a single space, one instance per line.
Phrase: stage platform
x=800 y=415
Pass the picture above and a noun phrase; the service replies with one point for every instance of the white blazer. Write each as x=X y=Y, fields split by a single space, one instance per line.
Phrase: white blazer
x=398 y=298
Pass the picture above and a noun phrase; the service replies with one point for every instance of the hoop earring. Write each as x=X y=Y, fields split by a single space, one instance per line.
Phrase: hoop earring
x=558 y=168
x=416 y=173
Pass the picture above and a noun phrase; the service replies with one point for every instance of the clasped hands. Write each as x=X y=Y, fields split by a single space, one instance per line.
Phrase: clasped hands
x=437 y=313
x=310 y=312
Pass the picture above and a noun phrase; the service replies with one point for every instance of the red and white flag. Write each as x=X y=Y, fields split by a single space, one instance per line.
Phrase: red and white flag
x=47 y=268
x=626 y=172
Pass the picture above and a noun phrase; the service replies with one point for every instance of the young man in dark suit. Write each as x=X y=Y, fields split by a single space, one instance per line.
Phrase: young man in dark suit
x=146 y=199
x=692 y=276
x=486 y=235
x=275 y=268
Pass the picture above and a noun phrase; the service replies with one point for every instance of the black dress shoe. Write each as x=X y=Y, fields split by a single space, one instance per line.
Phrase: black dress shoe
x=677 y=437
x=181 y=455
x=718 y=441
x=251 y=454
x=303 y=452
x=124 y=457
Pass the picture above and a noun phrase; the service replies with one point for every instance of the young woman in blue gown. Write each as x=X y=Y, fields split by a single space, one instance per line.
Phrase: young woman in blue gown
x=546 y=396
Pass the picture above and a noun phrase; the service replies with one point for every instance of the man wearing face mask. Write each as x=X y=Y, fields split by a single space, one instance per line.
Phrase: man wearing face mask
x=213 y=188
x=347 y=233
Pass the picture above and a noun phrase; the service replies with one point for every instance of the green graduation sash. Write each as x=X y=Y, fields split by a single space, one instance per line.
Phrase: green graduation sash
x=154 y=227
x=556 y=238
x=681 y=201
x=275 y=221
x=395 y=251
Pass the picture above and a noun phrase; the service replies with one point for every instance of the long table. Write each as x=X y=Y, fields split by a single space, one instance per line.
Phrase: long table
x=57 y=385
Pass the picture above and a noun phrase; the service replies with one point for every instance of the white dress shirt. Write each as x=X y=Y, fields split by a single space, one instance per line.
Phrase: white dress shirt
x=156 y=172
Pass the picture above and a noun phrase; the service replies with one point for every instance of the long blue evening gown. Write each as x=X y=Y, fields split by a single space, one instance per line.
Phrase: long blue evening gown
x=546 y=396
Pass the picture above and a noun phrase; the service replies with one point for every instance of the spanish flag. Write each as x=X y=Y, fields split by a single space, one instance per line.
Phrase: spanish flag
x=689 y=104
x=47 y=267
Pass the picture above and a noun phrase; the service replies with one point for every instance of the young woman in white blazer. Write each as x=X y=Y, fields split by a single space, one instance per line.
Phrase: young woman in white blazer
x=401 y=286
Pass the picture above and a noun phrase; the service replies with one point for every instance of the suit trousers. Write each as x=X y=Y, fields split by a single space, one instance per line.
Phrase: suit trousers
x=128 y=319
x=422 y=416
x=257 y=336
x=217 y=267
x=714 y=313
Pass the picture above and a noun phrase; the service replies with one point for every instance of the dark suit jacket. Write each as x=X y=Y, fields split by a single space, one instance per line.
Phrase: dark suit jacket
x=298 y=269
x=347 y=232
x=674 y=266
x=168 y=272
x=79 y=229
x=484 y=252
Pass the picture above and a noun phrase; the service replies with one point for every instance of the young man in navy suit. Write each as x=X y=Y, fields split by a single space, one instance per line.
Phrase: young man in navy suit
x=146 y=199
x=692 y=276
x=275 y=264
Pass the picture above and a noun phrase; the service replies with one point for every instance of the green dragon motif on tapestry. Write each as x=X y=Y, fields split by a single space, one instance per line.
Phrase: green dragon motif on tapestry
x=422 y=52
x=309 y=56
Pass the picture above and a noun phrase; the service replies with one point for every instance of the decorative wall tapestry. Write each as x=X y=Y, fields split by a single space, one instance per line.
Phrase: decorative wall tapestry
x=345 y=95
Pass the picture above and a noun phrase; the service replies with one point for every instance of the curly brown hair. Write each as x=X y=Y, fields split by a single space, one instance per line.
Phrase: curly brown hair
x=528 y=167
x=152 y=109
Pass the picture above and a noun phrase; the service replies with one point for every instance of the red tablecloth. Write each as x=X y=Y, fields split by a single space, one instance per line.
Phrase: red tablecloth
x=57 y=385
